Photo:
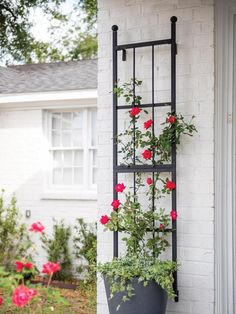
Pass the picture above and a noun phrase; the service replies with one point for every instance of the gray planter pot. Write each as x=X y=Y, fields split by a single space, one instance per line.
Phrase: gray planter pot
x=151 y=299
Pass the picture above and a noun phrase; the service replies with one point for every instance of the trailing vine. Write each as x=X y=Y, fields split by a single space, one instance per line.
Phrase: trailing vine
x=145 y=229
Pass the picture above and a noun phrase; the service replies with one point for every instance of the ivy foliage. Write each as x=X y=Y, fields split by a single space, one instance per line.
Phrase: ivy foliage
x=121 y=271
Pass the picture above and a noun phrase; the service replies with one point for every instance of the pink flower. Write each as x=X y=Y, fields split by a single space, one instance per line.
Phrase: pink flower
x=32 y=293
x=134 y=111
x=22 y=295
x=147 y=154
x=147 y=124
x=120 y=187
x=104 y=220
x=171 y=119
x=173 y=215
x=51 y=268
x=37 y=227
x=149 y=181
x=115 y=204
x=170 y=185
x=1 y=301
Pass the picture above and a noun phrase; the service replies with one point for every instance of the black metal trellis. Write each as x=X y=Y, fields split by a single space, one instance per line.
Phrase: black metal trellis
x=146 y=168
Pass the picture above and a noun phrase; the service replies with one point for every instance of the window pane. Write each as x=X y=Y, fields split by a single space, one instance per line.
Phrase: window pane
x=67 y=176
x=78 y=158
x=56 y=139
x=56 y=121
x=77 y=122
x=57 y=158
x=68 y=158
x=94 y=127
x=95 y=172
x=78 y=176
x=57 y=176
x=66 y=139
x=94 y=158
x=66 y=120
x=77 y=138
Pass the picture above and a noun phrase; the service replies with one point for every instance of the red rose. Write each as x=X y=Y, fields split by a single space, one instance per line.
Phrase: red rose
x=173 y=215
x=22 y=295
x=104 y=220
x=1 y=301
x=29 y=265
x=32 y=293
x=161 y=226
x=170 y=185
x=20 y=265
x=50 y=268
x=115 y=204
x=134 y=111
x=149 y=181
x=171 y=119
x=37 y=227
x=147 y=124
x=120 y=187
x=147 y=154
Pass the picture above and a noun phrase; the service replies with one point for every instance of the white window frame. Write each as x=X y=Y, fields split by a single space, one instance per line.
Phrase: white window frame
x=53 y=191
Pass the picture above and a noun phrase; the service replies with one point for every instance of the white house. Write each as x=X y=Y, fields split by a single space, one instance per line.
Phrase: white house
x=206 y=76
x=49 y=140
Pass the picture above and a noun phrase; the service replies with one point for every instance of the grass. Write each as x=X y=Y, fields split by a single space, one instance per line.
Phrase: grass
x=57 y=301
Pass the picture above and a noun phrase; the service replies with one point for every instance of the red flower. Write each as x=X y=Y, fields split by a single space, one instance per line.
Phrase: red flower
x=170 y=185
x=120 y=187
x=104 y=220
x=147 y=124
x=147 y=154
x=115 y=204
x=149 y=181
x=20 y=265
x=134 y=111
x=1 y=301
x=22 y=295
x=171 y=119
x=37 y=227
x=28 y=265
x=173 y=215
x=50 y=268
x=161 y=226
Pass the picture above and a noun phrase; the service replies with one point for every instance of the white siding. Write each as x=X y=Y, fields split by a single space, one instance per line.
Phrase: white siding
x=23 y=160
x=141 y=20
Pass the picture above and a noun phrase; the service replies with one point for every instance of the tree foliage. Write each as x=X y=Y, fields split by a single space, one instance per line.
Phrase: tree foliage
x=17 y=42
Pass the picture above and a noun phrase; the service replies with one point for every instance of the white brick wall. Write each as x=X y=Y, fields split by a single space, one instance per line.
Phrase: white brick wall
x=22 y=160
x=141 y=20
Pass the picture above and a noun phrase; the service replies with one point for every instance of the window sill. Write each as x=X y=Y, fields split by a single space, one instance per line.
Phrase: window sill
x=69 y=196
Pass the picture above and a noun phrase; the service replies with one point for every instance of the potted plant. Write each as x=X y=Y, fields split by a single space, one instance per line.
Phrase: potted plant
x=141 y=276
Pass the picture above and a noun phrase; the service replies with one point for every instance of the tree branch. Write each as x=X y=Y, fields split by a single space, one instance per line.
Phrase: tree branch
x=2 y=6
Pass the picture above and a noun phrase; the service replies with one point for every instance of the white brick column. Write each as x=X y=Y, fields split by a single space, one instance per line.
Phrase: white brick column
x=141 y=20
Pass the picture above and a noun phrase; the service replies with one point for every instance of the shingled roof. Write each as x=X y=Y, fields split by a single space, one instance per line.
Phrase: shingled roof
x=44 y=77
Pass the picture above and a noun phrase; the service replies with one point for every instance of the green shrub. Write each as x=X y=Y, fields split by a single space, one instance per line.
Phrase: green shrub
x=85 y=244
x=14 y=239
x=58 y=250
